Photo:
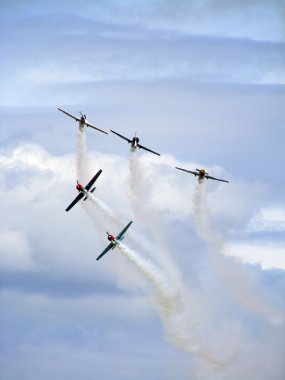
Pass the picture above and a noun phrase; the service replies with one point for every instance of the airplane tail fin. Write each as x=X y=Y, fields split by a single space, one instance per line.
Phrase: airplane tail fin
x=91 y=191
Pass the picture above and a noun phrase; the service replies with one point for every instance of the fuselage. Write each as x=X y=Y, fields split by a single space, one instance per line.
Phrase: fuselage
x=111 y=237
x=81 y=189
x=135 y=142
x=113 y=240
x=201 y=173
x=82 y=121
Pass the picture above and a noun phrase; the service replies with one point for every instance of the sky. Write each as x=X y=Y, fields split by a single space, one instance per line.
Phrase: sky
x=197 y=291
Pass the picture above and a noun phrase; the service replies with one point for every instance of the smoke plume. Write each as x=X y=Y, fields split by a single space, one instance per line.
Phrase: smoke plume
x=82 y=157
x=182 y=330
x=229 y=272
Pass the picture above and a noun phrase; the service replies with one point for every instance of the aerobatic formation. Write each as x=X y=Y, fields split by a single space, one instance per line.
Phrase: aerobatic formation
x=87 y=193
x=189 y=323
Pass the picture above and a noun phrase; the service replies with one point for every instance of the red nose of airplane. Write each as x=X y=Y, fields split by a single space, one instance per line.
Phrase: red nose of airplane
x=110 y=237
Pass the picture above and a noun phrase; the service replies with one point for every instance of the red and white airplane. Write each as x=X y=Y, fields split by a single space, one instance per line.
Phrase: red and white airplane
x=84 y=191
x=201 y=173
x=82 y=121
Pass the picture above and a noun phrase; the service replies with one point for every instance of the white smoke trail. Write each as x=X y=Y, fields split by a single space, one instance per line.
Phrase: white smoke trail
x=176 y=308
x=82 y=159
x=140 y=200
x=183 y=315
x=136 y=181
x=83 y=170
x=82 y=165
x=230 y=273
x=107 y=212
x=180 y=328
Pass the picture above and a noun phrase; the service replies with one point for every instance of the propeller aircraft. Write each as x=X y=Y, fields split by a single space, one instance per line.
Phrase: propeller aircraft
x=201 y=173
x=84 y=191
x=135 y=143
x=114 y=241
x=82 y=121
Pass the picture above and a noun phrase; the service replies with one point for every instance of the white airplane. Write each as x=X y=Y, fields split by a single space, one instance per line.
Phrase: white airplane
x=82 y=121
x=134 y=142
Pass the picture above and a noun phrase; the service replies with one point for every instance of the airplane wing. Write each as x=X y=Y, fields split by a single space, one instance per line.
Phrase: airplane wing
x=77 y=199
x=149 y=150
x=90 y=183
x=215 y=179
x=97 y=129
x=121 y=234
x=69 y=114
x=123 y=137
x=187 y=171
x=107 y=249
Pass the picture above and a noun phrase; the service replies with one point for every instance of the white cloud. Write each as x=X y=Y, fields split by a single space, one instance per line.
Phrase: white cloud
x=268 y=219
x=134 y=53
x=267 y=254
x=65 y=245
x=67 y=304
x=15 y=252
x=168 y=191
x=30 y=156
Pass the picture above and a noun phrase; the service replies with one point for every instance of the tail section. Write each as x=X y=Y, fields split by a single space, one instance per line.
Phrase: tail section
x=91 y=191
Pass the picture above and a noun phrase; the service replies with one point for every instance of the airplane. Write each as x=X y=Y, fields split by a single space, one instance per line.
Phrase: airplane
x=134 y=142
x=84 y=191
x=201 y=173
x=82 y=121
x=115 y=241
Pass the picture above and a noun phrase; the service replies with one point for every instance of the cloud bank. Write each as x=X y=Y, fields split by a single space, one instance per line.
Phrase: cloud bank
x=225 y=335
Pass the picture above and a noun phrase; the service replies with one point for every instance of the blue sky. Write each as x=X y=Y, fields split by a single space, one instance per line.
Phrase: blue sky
x=201 y=82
